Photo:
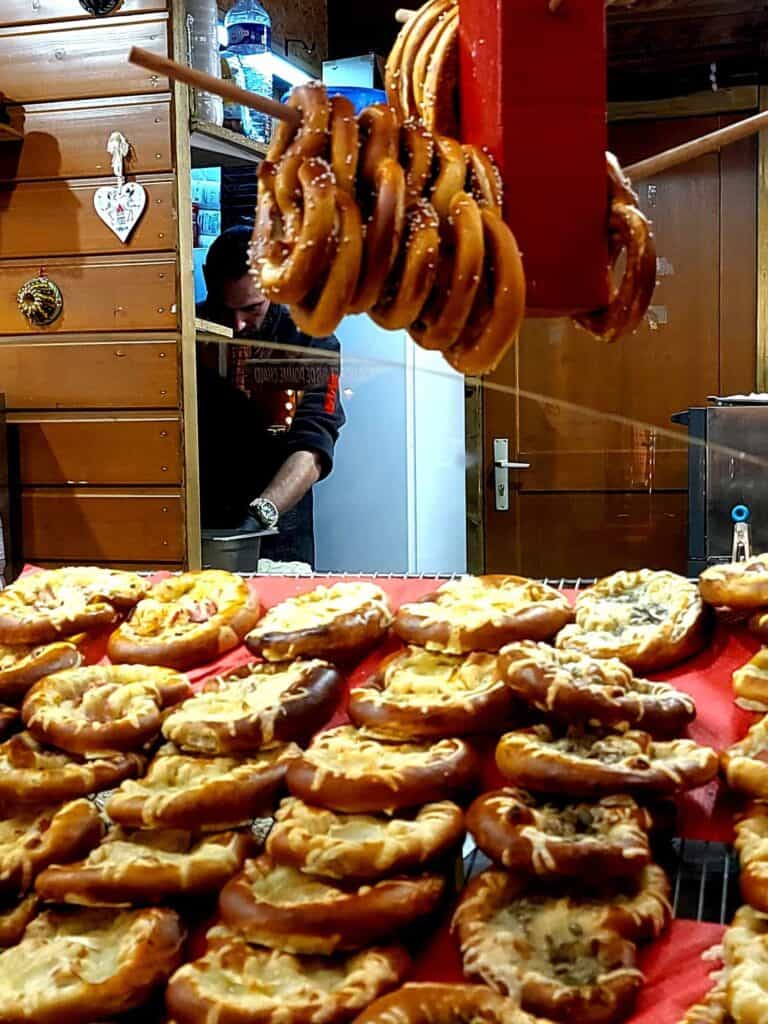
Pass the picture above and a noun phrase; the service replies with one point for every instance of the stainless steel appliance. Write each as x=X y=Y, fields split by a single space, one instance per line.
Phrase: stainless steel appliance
x=727 y=478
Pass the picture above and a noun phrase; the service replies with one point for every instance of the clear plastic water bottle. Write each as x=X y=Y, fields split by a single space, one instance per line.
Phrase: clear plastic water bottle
x=249 y=30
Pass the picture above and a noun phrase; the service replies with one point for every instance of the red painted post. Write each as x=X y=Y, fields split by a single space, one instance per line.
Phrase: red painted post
x=533 y=90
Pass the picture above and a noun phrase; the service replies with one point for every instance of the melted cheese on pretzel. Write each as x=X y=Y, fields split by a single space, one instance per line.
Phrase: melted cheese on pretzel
x=322 y=607
x=422 y=678
x=745 y=976
x=750 y=683
x=10 y=657
x=757 y=565
x=181 y=604
x=281 y=885
x=99 y=694
x=65 y=594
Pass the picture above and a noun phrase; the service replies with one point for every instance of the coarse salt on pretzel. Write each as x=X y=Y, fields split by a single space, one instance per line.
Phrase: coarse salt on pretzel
x=435 y=76
x=277 y=906
x=745 y=763
x=235 y=982
x=21 y=665
x=345 y=771
x=364 y=846
x=435 y=1003
x=417 y=151
x=484 y=178
x=98 y=708
x=309 y=137
x=384 y=226
x=345 y=143
x=575 y=687
x=410 y=282
x=400 y=65
x=529 y=835
x=418 y=694
x=451 y=174
x=742 y=585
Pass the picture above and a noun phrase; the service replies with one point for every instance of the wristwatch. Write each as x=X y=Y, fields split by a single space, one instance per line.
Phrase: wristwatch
x=266 y=512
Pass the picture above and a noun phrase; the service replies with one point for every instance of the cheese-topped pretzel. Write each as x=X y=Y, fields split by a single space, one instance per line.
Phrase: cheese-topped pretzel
x=552 y=952
x=201 y=792
x=483 y=613
x=21 y=665
x=417 y=694
x=364 y=846
x=187 y=620
x=33 y=839
x=345 y=771
x=592 y=764
x=745 y=763
x=277 y=906
x=338 y=622
x=576 y=687
x=758 y=624
x=434 y=1003
x=87 y=964
x=33 y=774
x=741 y=585
x=460 y=264
x=98 y=708
x=745 y=947
x=499 y=307
x=751 y=844
x=255 y=706
x=46 y=605
x=576 y=840
x=236 y=982
x=309 y=137
x=10 y=721
x=15 y=915
x=146 y=867
x=648 y=619
x=410 y=283
x=750 y=683
x=629 y=232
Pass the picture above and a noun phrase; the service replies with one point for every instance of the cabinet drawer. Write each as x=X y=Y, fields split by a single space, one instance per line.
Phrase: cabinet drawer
x=54 y=218
x=69 y=140
x=100 y=375
x=100 y=452
x=74 y=61
x=17 y=12
x=77 y=525
x=101 y=293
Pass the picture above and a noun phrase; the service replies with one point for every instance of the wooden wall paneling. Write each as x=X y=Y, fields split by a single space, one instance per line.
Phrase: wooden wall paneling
x=761 y=320
x=83 y=450
x=16 y=12
x=76 y=60
x=57 y=218
x=101 y=293
x=127 y=524
x=73 y=374
x=69 y=139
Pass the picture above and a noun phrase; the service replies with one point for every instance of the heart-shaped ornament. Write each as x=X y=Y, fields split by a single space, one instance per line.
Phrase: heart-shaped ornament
x=120 y=206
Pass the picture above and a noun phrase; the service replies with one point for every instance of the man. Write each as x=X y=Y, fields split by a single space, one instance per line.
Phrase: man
x=269 y=414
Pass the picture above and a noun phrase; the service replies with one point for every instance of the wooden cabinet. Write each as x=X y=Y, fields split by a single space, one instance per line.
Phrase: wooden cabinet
x=56 y=218
x=113 y=374
x=69 y=140
x=17 y=12
x=76 y=525
x=74 y=60
x=92 y=450
x=101 y=293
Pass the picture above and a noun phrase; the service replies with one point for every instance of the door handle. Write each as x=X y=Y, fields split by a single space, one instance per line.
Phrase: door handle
x=501 y=468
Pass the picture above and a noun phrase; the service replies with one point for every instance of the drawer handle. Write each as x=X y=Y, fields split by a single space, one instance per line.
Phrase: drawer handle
x=40 y=300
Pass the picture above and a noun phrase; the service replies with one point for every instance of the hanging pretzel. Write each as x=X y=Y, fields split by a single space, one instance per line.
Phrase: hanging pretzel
x=410 y=283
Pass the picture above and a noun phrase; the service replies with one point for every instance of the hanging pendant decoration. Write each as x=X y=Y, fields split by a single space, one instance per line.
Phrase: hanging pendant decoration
x=121 y=205
x=40 y=300
x=99 y=8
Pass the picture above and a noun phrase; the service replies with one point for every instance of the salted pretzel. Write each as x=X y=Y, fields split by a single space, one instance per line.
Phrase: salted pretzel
x=145 y=867
x=21 y=665
x=32 y=839
x=237 y=982
x=98 y=708
x=750 y=683
x=528 y=835
x=745 y=763
x=742 y=585
x=48 y=604
x=591 y=764
x=383 y=232
x=309 y=137
x=255 y=706
x=345 y=771
x=417 y=152
x=497 y=314
x=362 y=846
x=338 y=623
x=399 y=72
x=277 y=906
x=553 y=952
x=576 y=687
x=193 y=793
x=435 y=1003
x=484 y=178
x=418 y=694
x=629 y=232
x=345 y=144
x=86 y=965
x=451 y=174
x=483 y=613
x=33 y=774
x=407 y=289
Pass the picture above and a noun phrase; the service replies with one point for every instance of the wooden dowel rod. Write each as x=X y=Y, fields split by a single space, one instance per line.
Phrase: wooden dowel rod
x=697 y=147
x=404 y=14
x=209 y=83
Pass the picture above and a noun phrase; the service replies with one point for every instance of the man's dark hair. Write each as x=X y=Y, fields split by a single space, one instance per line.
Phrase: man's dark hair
x=227 y=258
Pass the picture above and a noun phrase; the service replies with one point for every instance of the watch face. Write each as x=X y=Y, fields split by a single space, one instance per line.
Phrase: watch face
x=266 y=511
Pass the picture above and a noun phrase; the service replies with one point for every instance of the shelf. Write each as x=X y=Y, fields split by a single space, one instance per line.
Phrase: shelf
x=213 y=146
x=8 y=134
x=207 y=331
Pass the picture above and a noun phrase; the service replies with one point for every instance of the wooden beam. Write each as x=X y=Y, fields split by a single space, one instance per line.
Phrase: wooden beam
x=700 y=104
x=762 y=253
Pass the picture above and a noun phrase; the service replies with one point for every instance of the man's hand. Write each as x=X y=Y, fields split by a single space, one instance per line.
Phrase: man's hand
x=298 y=473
